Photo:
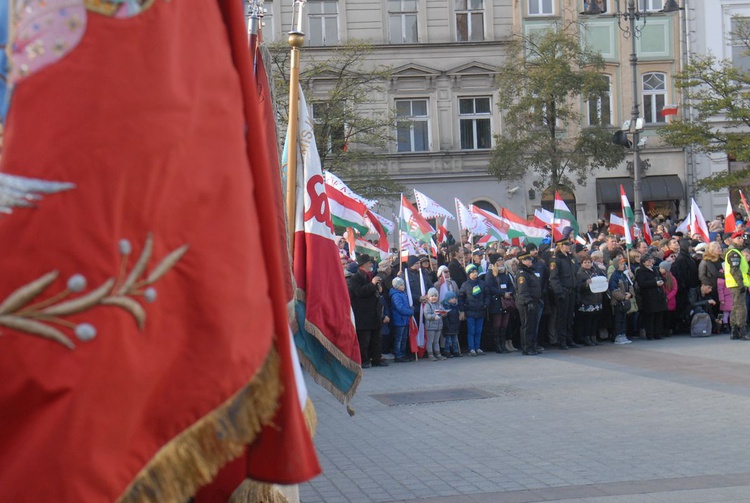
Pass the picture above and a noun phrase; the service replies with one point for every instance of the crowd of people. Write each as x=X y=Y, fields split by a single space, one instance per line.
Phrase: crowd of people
x=562 y=295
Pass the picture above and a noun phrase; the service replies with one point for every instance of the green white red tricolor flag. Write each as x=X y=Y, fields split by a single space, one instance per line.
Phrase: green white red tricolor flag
x=563 y=217
x=336 y=182
x=347 y=211
x=523 y=229
x=628 y=217
x=429 y=208
x=496 y=226
x=411 y=222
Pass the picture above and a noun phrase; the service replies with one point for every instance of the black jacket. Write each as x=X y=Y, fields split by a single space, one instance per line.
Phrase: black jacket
x=562 y=274
x=458 y=274
x=528 y=286
x=498 y=286
x=473 y=304
x=685 y=271
x=585 y=295
x=364 y=296
x=652 y=296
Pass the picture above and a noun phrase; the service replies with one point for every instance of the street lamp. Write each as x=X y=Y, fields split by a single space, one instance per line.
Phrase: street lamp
x=631 y=15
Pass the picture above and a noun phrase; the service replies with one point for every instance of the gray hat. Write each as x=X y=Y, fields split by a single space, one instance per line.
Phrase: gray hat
x=432 y=291
x=666 y=265
x=397 y=282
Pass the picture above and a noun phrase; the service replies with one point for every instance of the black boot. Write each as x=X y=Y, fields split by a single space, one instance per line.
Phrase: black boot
x=735 y=333
x=502 y=347
x=587 y=341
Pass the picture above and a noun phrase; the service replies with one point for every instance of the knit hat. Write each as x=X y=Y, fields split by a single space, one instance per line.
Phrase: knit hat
x=449 y=296
x=493 y=257
x=530 y=247
x=442 y=269
x=469 y=268
x=432 y=291
x=701 y=248
x=352 y=267
x=666 y=265
x=412 y=260
x=397 y=282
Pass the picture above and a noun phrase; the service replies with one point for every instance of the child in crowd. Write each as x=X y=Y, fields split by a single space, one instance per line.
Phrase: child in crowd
x=450 y=325
x=725 y=303
x=433 y=324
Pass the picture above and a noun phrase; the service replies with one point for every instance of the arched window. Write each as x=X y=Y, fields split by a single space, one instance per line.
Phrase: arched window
x=654 y=89
x=486 y=206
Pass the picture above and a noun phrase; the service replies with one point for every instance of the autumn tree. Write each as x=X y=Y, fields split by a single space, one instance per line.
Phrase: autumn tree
x=541 y=84
x=720 y=123
x=341 y=86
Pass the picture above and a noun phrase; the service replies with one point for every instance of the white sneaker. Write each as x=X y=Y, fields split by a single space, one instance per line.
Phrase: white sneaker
x=480 y=352
x=472 y=353
x=622 y=339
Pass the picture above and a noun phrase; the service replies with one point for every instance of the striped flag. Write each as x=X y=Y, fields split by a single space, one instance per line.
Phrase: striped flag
x=646 y=228
x=411 y=222
x=628 y=217
x=730 y=222
x=616 y=224
x=697 y=222
x=522 y=228
x=563 y=218
x=495 y=225
x=346 y=211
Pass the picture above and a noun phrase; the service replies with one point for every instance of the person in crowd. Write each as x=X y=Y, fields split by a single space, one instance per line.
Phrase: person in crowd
x=611 y=250
x=456 y=265
x=433 y=324
x=725 y=304
x=401 y=312
x=653 y=302
x=472 y=301
x=685 y=271
x=588 y=304
x=670 y=291
x=528 y=300
x=562 y=281
x=418 y=282
x=641 y=246
x=501 y=290
x=445 y=283
x=539 y=266
x=738 y=281
x=450 y=325
x=425 y=264
x=622 y=295
x=477 y=258
x=365 y=290
x=701 y=300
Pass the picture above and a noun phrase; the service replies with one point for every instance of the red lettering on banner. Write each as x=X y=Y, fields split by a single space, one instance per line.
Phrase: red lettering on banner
x=319 y=209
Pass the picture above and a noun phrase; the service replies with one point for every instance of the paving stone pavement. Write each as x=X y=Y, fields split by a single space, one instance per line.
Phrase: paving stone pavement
x=654 y=421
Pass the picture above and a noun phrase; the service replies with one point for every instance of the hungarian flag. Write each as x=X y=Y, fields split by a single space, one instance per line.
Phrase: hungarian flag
x=495 y=225
x=336 y=182
x=543 y=217
x=347 y=211
x=487 y=239
x=326 y=337
x=142 y=328
x=646 y=228
x=429 y=208
x=628 y=217
x=411 y=222
x=563 y=218
x=521 y=228
x=363 y=246
x=730 y=222
x=377 y=230
x=697 y=222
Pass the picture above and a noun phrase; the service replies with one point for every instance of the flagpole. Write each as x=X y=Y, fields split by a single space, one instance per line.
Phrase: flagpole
x=296 y=41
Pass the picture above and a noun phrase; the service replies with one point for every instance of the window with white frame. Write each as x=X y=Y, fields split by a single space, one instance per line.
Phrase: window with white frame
x=323 y=17
x=654 y=90
x=330 y=132
x=402 y=21
x=412 y=125
x=475 y=123
x=469 y=20
x=740 y=51
x=600 y=106
x=650 y=5
x=540 y=8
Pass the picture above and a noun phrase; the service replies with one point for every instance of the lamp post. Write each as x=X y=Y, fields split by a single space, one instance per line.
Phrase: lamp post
x=630 y=16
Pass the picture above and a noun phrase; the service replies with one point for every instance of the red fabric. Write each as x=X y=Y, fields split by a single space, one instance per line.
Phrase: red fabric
x=145 y=116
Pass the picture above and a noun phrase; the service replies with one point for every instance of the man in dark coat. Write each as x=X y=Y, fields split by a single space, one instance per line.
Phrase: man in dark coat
x=685 y=271
x=364 y=292
x=562 y=282
x=528 y=301
x=456 y=266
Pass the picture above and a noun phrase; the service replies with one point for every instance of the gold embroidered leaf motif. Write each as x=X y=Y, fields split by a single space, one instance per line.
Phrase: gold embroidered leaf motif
x=36 y=328
x=81 y=303
x=166 y=264
x=23 y=295
x=129 y=305
x=139 y=267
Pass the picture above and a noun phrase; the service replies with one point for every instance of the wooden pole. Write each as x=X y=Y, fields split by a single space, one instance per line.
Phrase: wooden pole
x=296 y=41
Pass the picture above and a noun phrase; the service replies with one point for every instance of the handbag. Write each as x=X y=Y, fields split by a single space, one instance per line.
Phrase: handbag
x=508 y=304
x=625 y=306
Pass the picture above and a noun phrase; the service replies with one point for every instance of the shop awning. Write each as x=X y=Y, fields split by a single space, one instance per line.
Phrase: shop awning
x=653 y=188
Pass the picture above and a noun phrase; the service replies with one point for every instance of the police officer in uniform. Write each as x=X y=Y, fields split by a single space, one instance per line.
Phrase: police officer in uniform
x=737 y=280
x=562 y=281
x=528 y=299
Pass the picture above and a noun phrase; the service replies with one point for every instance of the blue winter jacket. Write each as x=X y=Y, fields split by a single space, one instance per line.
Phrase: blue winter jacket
x=400 y=309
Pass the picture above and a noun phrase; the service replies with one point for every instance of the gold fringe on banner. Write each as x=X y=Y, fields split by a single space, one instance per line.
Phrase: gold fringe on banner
x=251 y=491
x=193 y=458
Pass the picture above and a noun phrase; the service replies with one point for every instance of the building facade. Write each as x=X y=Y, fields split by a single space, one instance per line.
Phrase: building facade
x=445 y=54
